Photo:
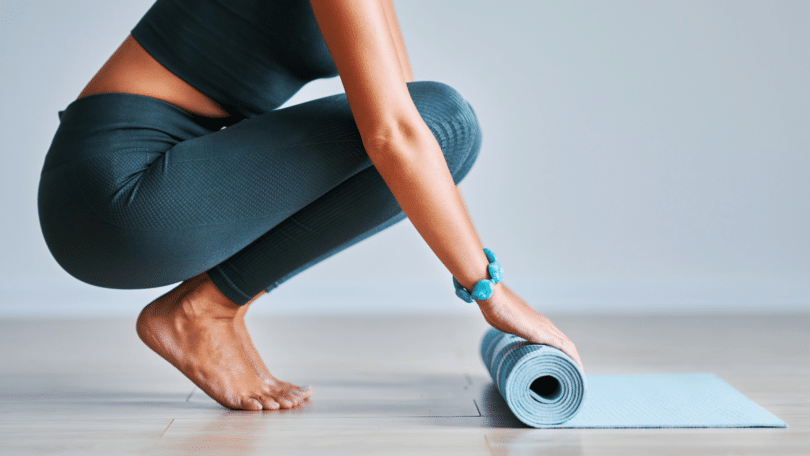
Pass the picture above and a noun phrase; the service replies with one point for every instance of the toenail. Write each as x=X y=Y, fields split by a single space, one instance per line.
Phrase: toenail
x=271 y=405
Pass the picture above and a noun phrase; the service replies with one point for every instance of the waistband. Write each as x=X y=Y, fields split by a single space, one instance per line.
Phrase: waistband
x=108 y=122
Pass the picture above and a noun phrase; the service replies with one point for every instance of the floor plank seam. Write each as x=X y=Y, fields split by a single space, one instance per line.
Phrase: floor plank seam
x=167 y=428
x=476 y=407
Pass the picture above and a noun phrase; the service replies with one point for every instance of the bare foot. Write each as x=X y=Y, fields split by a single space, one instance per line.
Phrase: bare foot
x=255 y=359
x=507 y=312
x=192 y=327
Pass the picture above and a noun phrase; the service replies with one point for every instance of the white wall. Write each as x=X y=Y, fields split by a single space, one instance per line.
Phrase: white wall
x=637 y=156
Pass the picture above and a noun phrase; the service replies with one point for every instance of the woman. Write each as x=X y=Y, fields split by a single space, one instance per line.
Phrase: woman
x=143 y=185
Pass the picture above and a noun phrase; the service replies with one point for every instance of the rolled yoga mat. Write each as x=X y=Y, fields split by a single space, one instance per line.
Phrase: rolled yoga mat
x=545 y=388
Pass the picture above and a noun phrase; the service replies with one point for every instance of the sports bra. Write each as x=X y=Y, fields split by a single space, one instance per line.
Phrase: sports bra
x=250 y=56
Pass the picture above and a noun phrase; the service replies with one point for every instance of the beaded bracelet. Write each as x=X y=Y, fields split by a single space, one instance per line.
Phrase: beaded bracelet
x=483 y=288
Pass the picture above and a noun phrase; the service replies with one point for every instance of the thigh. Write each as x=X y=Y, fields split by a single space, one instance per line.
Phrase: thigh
x=147 y=217
x=269 y=166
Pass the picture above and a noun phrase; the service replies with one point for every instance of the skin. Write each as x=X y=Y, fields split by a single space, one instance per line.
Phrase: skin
x=199 y=330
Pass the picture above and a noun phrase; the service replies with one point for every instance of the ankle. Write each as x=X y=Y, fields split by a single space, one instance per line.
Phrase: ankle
x=203 y=298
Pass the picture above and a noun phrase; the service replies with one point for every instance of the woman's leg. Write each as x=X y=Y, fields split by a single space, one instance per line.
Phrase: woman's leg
x=354 y=210
x=253 y=204
x=357 y=209
x=125 y=203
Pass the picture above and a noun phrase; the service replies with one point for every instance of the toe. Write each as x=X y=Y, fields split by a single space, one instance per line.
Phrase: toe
x=269 y=404
x=250 y=403
x=303 y=394
x=294 y=398
x=301 y=390
x=284 y=401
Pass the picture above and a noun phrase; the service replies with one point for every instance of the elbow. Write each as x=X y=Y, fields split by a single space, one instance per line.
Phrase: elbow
x=400 y=139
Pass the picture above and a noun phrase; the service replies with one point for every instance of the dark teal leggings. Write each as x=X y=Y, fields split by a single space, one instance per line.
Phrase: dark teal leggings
x=138 y=193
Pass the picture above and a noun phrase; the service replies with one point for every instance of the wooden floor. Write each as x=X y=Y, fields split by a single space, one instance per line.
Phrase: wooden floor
x=385 y=385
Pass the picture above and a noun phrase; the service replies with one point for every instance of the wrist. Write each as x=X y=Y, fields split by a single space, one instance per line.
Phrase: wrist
x=484 y=288
x=497 y=296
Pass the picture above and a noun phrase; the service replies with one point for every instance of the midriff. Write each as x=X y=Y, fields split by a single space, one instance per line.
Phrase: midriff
x=133 y=70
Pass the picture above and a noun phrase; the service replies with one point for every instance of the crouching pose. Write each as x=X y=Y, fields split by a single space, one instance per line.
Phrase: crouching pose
x=175 y=165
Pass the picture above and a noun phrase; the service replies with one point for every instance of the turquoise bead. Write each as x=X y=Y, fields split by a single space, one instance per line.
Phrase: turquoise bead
x=484 y=288
x=490 y=255
x=461 y=292
x=464 y=295
x=495 y=271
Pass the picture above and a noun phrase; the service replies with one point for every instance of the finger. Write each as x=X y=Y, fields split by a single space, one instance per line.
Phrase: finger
x=573 y=350
x=560 y=341
x=559 y=334
x=570 y=350
x=575 y=356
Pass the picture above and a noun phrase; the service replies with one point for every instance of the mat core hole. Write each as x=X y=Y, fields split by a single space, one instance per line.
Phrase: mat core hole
x=546 y=387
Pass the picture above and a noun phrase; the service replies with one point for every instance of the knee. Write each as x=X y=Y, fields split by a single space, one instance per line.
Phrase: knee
x=452 y=120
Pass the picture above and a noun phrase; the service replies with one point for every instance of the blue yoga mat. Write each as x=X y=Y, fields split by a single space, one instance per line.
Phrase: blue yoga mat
x=545 y=388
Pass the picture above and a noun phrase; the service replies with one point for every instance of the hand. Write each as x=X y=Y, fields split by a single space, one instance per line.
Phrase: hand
x=507 y=312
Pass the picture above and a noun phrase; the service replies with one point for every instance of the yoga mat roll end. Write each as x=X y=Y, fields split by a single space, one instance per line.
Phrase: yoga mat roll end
x=541 y=384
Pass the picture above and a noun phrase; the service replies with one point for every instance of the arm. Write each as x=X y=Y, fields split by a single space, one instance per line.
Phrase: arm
x=363 y=45
x=397 y=140
x=396 y=34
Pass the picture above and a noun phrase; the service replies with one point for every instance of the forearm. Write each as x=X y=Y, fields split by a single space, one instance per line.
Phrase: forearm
x=399 y=42
x=416 y=172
